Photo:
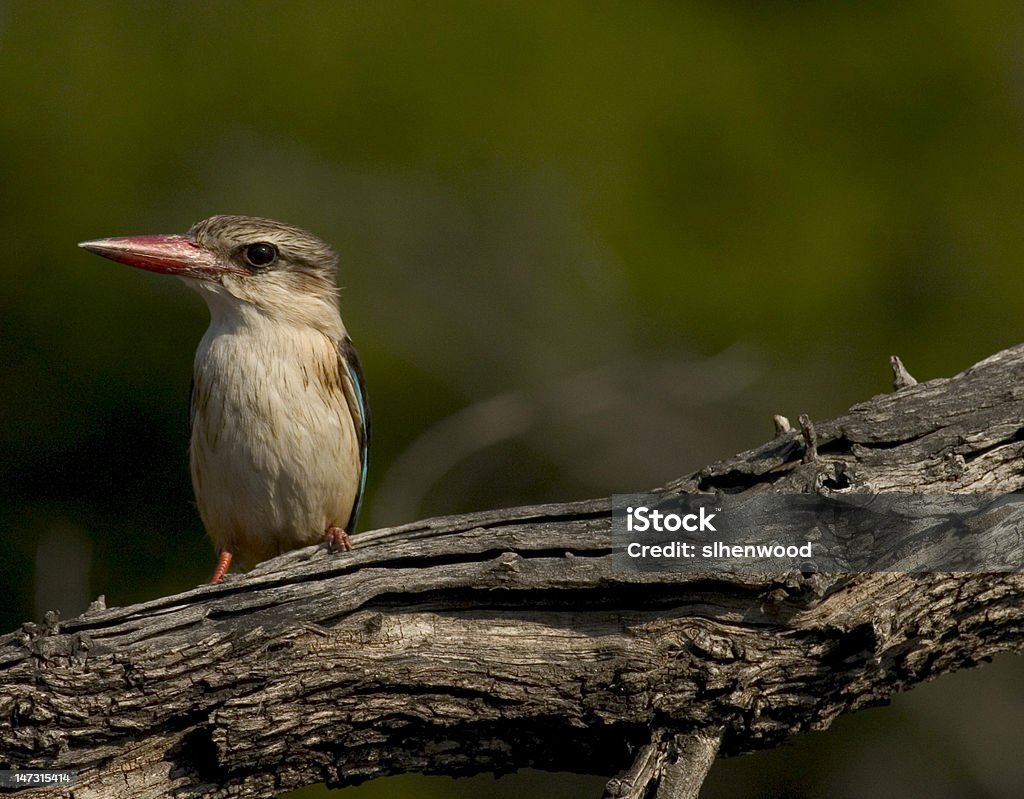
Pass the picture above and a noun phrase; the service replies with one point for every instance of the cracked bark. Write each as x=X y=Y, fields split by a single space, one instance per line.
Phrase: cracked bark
x=505 y=639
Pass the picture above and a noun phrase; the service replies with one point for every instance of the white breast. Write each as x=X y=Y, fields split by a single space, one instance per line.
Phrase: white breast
x=274 y=449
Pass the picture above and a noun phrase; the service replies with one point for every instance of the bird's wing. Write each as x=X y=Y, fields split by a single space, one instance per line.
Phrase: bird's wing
x=354 y=386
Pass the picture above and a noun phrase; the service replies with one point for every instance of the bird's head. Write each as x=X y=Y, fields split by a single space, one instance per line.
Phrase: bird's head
x=241 y=263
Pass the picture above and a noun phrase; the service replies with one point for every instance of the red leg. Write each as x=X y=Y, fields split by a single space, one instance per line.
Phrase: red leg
x=337 y=539
x=223 y=564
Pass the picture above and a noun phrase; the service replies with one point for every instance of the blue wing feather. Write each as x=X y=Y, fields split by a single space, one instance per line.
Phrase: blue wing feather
x=355 y=394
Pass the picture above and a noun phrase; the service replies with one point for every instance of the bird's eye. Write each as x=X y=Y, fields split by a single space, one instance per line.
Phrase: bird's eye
x=260 y=254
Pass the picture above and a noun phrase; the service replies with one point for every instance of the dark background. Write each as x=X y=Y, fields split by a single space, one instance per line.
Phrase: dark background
x=585 y=248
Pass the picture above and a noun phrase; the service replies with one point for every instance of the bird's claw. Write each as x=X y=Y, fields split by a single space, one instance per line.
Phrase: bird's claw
x=337 y=540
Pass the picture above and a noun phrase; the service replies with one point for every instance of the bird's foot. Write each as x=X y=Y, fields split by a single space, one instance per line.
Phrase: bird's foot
x=223 y=564
x=337 y=540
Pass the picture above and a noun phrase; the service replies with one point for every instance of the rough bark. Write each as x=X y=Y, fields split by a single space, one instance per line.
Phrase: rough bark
x=499 y=640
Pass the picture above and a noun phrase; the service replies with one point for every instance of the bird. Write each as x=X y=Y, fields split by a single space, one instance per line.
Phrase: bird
x=279 y=420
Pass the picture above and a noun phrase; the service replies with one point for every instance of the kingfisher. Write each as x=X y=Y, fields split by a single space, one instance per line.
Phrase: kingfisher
x=280 y=426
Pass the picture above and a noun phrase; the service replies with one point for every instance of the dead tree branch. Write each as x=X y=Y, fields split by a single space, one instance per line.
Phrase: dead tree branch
x=499 y=640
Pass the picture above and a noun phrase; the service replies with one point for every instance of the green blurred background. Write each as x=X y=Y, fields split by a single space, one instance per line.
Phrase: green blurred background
x=585 y=247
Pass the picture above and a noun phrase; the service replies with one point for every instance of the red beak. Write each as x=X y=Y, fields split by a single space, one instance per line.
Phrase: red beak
x=168 y=255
